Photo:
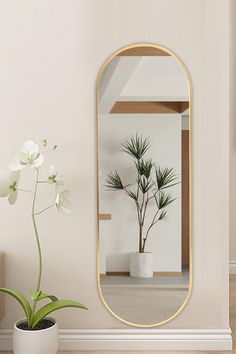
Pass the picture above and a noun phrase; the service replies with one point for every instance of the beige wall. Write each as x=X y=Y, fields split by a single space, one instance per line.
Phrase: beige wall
x=232 y=136
x=51 y=52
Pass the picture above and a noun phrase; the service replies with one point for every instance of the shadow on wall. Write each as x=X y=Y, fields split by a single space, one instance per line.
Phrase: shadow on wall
x=115 y=261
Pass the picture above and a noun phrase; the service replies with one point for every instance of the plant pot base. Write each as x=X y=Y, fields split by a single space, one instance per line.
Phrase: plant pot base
x=141 y=265
x=42 y=341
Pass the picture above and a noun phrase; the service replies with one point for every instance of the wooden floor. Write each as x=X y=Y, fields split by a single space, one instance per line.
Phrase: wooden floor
x=232 y=325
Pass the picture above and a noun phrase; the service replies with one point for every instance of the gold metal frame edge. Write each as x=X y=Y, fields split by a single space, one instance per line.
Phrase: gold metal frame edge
x=110 y=58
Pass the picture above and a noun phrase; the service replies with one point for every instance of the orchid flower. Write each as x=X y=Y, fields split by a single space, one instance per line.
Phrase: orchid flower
x=63 y=202
x=8 y=185
x=29 y=155
x=55 y=176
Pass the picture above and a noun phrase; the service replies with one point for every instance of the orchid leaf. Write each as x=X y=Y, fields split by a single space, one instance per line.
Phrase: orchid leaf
x=35 y=294
x=39 y=295
x=45 y=296
x=53 y=306
x=21 y=299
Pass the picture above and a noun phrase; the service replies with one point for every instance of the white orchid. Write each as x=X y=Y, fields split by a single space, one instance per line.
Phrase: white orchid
x=8 y=185
x=29 y=155
x=55 y=176
x=63 y=202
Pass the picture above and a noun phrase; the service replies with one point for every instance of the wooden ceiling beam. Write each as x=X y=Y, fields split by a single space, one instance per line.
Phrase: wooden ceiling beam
x=148 y=107
x=144 y=51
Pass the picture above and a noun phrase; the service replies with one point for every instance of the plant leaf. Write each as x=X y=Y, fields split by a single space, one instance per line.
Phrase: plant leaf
x=35 y=294
x=162 y=215
x=136 y=146
x=21 y=299
x=45 y=296
x=132 y=195
x=53 y=306
x=170 y=185
x=39 y=295
x=113 y=181
x=165 y=177
x=144 y=167
x=163 y=200
x=145 y=184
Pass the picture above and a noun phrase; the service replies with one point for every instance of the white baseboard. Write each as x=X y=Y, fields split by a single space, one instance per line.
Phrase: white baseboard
x=137 y=339
x=232 y=267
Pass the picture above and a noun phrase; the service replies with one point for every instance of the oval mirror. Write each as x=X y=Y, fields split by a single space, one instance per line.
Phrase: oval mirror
x=144 y=169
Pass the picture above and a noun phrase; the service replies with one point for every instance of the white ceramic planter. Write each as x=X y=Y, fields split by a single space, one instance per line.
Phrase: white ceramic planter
x=141 y=265
x=44 y=341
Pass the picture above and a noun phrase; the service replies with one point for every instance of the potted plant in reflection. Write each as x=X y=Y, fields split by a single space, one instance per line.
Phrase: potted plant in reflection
x=151 y=185
x=36 y=333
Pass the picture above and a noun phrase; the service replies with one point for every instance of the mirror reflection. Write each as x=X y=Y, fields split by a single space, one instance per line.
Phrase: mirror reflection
x=143 y=185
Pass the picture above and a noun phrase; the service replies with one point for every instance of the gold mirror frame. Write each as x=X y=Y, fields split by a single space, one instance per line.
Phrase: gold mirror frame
x=101 y=71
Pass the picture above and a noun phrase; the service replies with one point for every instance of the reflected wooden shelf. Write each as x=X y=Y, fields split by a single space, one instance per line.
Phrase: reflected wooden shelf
x=104 y=216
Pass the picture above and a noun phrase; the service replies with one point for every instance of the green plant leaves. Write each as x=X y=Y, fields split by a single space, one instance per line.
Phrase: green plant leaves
x=53 y=306
x=39 y=295
x=35 y=294
x=152 y=181
x=45 y=310
x=132 y=195
x=136 y=146
x=162 y=215
x=163 y=200
x=145 y=184
x=21 y=299
x=113 y=181
x=45 y=296
x=144 y=167
x=165 y=177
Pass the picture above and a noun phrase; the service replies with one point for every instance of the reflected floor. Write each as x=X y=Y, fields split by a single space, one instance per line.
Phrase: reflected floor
x=145 y=301
x=159 y=280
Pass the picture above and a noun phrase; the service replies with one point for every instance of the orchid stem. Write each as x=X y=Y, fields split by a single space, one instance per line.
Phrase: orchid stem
x=40 y=212
x=38 y=246
x=24 y=190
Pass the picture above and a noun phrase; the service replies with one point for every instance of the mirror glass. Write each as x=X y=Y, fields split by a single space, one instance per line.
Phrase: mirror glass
x=144 y=253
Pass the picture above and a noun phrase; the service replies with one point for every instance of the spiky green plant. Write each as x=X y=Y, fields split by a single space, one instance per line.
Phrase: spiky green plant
x=151 y=184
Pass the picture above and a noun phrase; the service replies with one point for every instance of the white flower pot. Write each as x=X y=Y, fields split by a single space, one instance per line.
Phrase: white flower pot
x=141 y=265
x=44 y=341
